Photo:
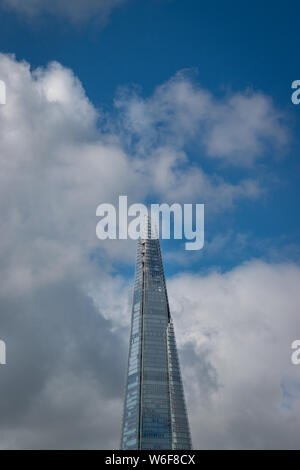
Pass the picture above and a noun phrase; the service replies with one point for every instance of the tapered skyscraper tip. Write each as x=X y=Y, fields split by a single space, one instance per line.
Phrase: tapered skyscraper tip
x=154 y=412
x=149 y=229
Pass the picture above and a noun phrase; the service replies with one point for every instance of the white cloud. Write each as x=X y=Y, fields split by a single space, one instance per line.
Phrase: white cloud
x=175 y=178
x=243 y=127
x=76 y=11
x=238 y=128
x=112 y=295
x=57 y=166
x=235 y=332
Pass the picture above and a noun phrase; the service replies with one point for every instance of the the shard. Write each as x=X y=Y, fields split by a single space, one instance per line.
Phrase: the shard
x=154 y=411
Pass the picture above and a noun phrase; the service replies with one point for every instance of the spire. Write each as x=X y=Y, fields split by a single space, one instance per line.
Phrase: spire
x=154 y=414
x=149 y=229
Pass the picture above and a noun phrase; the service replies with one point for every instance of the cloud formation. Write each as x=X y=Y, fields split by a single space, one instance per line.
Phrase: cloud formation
x=63 y=382
x=63 y=309
x=76 y=11
x=235 y=331
x=237 y=128
x=57 y=165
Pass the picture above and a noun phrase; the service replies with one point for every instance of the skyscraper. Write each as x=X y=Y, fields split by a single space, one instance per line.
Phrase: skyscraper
x=154 y=412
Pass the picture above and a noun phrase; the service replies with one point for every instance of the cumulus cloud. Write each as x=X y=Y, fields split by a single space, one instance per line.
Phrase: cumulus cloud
x=235 y=332
x=237 y=128
x=63 y=309
x=57 y=165
x=76 y=11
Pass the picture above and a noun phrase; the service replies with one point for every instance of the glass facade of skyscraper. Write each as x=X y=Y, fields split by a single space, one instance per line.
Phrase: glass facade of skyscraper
x=154 y=413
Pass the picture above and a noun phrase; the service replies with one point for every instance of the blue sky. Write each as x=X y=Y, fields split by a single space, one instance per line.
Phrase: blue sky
x=165 y=101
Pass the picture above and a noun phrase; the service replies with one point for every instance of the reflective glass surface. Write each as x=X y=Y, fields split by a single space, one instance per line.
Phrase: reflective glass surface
x=154 y=413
